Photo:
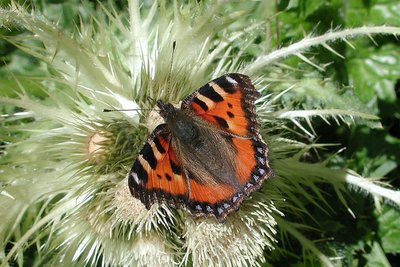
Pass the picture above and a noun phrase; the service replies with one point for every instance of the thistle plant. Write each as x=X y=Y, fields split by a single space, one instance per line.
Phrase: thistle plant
x=64 y=162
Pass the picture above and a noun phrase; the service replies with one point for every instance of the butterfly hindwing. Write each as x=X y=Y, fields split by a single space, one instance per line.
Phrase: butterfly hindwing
x=251 y=169
x=156 y=174
x=228 y=103
x=251 y=161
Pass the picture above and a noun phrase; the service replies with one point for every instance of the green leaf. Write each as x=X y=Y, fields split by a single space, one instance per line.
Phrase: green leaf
x=382 y=12
x=389 y=230
x=374 y=72
x=377 y=258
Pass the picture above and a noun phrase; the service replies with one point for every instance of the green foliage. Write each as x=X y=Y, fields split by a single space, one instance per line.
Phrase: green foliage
x=389 y=230
x=371 y=70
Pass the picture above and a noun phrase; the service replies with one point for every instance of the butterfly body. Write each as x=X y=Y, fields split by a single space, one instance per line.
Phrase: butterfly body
x=208 y=155
x=180 y=124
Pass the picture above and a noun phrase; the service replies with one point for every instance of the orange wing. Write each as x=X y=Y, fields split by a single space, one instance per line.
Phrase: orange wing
x=228 y=103
x=156 y=174
x=252 y=168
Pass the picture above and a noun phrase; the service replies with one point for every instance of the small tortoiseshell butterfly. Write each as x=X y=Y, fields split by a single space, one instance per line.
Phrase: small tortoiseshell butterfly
x=208 y=155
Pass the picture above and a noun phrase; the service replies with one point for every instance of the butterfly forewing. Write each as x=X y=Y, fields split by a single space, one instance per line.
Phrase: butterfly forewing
x=228 y=103
x=156 y=173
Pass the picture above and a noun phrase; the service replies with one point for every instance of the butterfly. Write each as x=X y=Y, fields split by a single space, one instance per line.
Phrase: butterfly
x=208 y=155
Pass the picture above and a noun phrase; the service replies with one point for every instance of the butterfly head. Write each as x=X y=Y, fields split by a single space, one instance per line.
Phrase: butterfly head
x=180 y=124
x=167 y=110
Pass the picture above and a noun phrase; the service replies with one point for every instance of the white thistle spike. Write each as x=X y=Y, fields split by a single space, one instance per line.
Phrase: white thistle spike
x=328 y=47
x=305 y=59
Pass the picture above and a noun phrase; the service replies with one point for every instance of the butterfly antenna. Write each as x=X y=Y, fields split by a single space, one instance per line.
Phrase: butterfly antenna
x=130 y=109
x=170 y=66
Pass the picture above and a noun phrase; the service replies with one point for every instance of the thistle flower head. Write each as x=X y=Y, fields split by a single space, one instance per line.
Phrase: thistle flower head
x=91 y=151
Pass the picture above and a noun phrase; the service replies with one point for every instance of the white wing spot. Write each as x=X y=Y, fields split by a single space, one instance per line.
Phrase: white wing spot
x=231 y=80
x=135 y=177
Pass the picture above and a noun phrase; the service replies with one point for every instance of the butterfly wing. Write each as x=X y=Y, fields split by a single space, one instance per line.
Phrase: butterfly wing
x=156 y=174
x=227 y=103
x=250 y=169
